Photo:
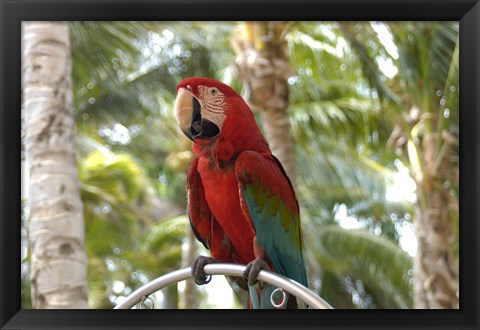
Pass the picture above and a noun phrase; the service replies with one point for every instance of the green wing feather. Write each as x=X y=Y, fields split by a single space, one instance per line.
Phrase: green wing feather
x=269 y=201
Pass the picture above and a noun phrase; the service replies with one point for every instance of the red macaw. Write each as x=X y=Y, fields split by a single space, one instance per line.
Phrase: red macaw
x=241 y=204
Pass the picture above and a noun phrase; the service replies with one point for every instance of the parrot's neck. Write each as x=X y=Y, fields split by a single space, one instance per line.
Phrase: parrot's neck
x=236 y=136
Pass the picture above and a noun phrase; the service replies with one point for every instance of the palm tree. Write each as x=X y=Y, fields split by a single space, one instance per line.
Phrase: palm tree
x=56 y=230
x=424 y=98
x=338 y=131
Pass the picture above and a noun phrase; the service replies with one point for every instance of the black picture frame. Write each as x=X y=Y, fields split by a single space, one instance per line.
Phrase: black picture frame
x=467 y=12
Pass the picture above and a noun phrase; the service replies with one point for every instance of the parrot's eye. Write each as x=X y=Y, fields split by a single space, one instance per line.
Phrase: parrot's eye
x=213 y=91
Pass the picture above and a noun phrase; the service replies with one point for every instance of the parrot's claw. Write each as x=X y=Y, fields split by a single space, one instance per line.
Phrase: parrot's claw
x=198 y=274
x=253 y=269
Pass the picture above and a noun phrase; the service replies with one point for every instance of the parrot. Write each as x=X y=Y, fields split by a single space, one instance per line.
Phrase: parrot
x=241 y=204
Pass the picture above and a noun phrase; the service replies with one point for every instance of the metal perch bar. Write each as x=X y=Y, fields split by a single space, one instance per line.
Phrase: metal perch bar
x=292 y=287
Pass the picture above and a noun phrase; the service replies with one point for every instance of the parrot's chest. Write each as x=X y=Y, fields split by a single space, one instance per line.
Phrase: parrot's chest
x=221 y=189
x=222 y=195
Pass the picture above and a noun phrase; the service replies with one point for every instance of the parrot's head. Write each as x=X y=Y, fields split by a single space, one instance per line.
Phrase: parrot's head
x=201 y=107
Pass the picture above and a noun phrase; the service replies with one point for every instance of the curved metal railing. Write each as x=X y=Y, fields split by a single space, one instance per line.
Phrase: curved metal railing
x=309 y=297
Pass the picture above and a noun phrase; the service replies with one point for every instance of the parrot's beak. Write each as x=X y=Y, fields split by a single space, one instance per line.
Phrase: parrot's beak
x=188 y=113
x=184 y=111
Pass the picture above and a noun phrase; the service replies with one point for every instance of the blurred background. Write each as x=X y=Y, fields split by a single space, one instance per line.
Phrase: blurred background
x=363 y=115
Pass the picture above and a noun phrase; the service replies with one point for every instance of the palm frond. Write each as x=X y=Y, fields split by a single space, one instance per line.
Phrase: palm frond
x=377 y=262
x=370 y=67
x=333 y=174
x=418 y=44
x=105 y=51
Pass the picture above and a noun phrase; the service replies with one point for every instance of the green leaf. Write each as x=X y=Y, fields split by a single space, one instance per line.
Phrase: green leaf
x=377 y=262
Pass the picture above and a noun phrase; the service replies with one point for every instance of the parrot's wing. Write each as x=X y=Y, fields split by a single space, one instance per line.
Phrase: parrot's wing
x=198 y=209
x=269 y=201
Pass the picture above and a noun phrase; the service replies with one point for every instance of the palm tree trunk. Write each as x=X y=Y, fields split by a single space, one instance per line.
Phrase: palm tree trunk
x=56 y=228
x=264 y=68
x=435 y=268
x=170 y=297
